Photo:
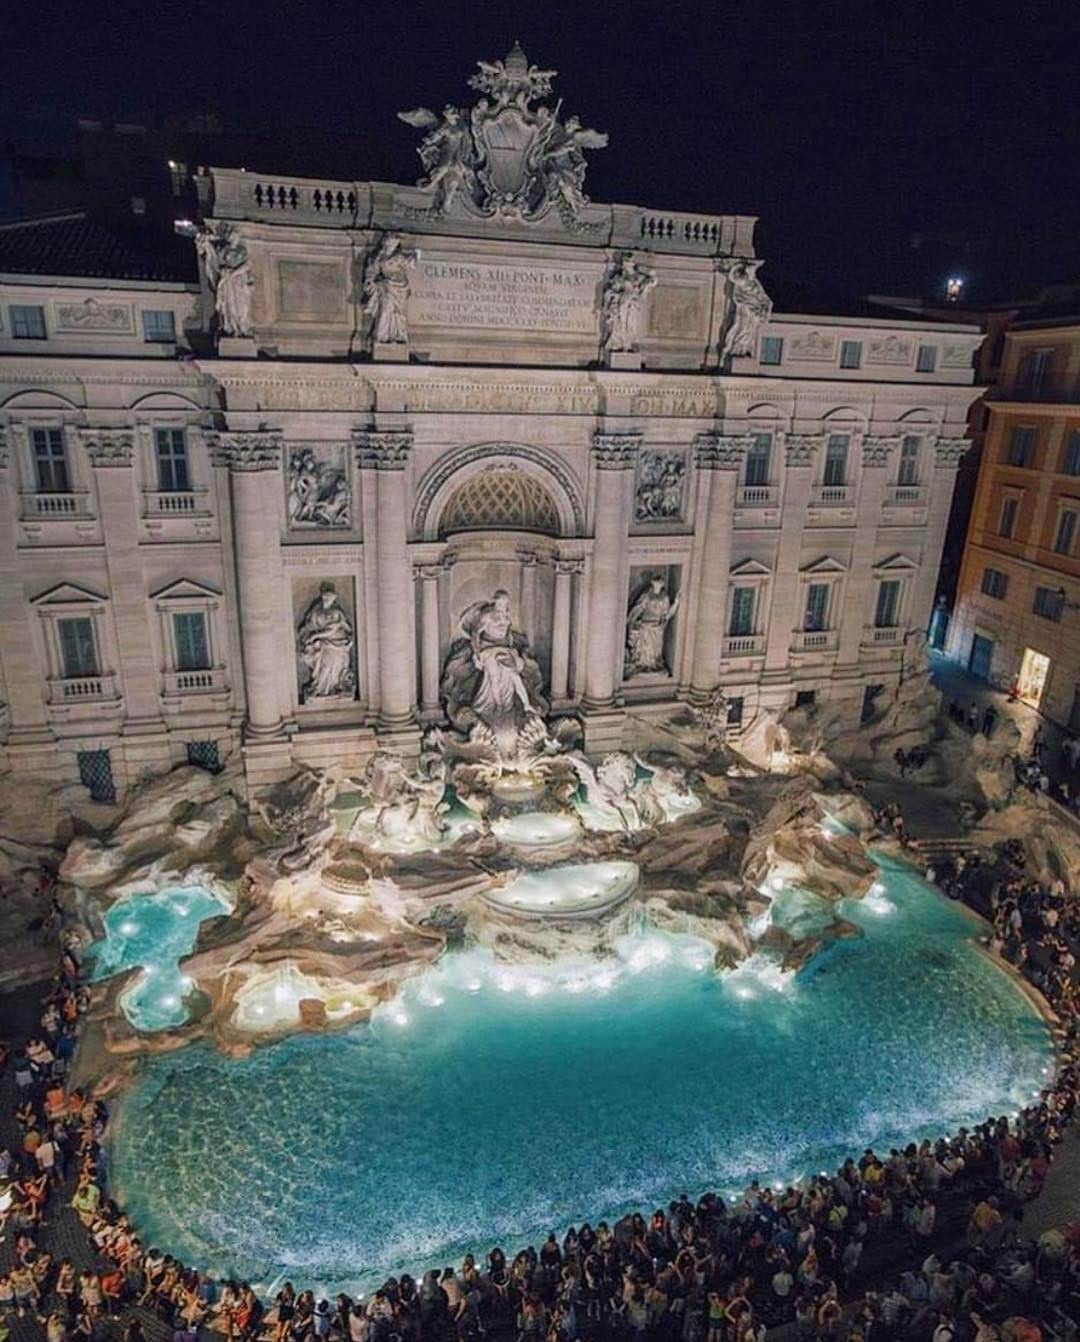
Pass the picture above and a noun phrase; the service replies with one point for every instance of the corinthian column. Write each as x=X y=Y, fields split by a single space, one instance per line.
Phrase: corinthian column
x=718 y=460
x=386 y=452
x=254 y=461
x=614 y=455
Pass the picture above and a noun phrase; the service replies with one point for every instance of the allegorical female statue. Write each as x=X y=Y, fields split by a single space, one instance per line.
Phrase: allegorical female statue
x=491 y=678
x=386 y=291
x=623 y=304
x=646 y=625
x=228 y=273
x=324 y=645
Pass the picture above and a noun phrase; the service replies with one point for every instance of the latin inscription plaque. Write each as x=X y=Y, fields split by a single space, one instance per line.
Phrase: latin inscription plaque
x=502 y=297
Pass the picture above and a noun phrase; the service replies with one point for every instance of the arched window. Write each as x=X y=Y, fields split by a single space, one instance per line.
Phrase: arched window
x=502 y=499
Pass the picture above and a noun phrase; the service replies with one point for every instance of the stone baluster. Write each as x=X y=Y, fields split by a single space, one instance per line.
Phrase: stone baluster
x=386 y=452
x=565 y=569
x=615 y=456
x=253 y=458
x=718 y=459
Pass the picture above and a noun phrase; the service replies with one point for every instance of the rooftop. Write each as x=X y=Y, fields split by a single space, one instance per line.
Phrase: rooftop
x=75 y=244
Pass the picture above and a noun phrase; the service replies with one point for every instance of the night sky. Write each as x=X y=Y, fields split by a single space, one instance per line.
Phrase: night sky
x=882 y=145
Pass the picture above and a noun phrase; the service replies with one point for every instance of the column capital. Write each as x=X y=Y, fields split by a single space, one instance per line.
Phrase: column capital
x=876 y=450
x=430 y=572
x=246 y=450
x=800 y=449
x=615 y=451
x=720 y=451
x=382 y=449
x=108 y=447
x=568 y=567
x=948 y=451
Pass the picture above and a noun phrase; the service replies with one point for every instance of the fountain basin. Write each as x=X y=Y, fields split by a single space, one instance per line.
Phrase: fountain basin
x=584 y=890
x=537 y=833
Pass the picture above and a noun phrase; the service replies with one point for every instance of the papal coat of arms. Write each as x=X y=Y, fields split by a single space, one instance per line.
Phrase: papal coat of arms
x=506 y=156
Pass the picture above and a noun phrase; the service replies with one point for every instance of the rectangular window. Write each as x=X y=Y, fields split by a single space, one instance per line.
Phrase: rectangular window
x=1070 y=463
x=850 y=353
x=1021 y=447
x=888 y=604
x=77 y=653
x=95 y=773
x=816 y=616
x=735 y=710
x=1049 y=603
x=1066 y=532
x=159 y=325
x=1007 y=525
x=995 y=583
x=772 y=350
x=1035 y=372
x=758 y=459
x=742 y=611
x=204 y=755
x=192 y=646
x=50 y=461
x=908 y=473
x=926 y=359
x=170 y=446
x=27 y=323
x=836 y=450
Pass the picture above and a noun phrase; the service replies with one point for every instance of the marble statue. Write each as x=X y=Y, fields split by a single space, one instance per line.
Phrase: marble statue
x=405 y=811
x=626 y=792
x=505 y=155
x=386 y=291
x=622 y=305
x=751 y=306
x=324 y=645
x=491 y=682
x=659 y=496
x=318 y=491
x=227 y=268
x=646 y=624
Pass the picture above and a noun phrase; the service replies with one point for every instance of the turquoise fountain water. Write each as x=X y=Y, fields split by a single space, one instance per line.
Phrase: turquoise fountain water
x=154 y=932
x=490 y=1103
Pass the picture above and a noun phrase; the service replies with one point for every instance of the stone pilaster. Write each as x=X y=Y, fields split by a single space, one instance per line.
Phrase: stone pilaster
x=429 y=635
x=112 y=455
x=29 y=733
x=876 y=454
x=565 y=569
x=385 y=452
x=615 y=458
x=718 y=459
x=253 y=458
x=784 y=614
x=942 y=482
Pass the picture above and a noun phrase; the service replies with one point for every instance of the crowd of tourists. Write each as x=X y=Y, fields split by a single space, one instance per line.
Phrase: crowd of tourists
x=922 y=1243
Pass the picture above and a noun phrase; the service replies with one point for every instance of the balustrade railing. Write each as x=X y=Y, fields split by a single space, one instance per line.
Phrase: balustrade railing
x=203 y=681
x=757 y=496
x=832 y=496
x=743 y=645
x=173 y=502
x=55 y=505
x=81 y=689
x=815 y=640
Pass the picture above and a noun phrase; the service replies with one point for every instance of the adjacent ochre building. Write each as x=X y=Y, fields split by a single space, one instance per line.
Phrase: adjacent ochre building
x=1017 y=616
x=250 y=512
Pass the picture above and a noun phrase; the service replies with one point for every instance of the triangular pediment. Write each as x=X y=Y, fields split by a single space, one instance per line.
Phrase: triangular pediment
x=185 y=589
x=67 y=594
x=750 y=568
x=824 y=564
x=897 y=563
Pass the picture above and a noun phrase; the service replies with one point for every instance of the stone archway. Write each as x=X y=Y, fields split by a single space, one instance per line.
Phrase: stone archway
x=503 y=498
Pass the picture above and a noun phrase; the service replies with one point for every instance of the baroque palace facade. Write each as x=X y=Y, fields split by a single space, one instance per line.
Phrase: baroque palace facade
x=249 y=513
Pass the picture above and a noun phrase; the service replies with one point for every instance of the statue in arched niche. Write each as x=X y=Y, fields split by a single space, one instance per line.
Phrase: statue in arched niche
x=491 y=682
